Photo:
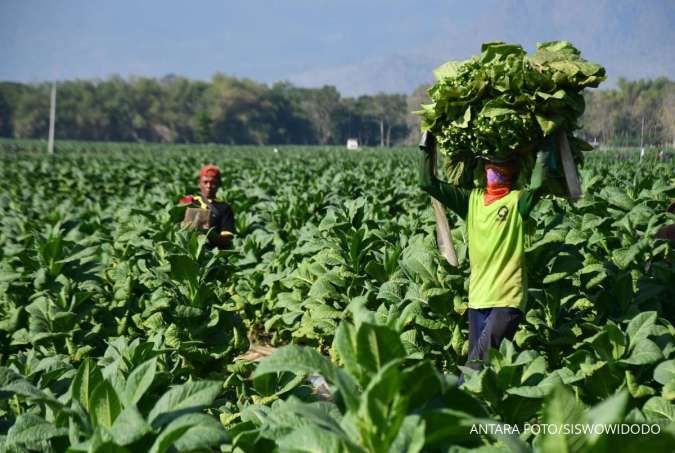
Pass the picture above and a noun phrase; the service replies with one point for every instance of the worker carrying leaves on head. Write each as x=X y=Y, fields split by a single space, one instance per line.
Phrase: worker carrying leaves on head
x=495 y=218
x=208 y=214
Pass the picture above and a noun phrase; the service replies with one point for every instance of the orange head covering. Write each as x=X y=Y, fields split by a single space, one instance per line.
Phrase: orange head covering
x=210 y=170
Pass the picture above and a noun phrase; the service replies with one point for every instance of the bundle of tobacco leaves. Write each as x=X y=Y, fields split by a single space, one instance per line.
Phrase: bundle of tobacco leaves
x=503 y=103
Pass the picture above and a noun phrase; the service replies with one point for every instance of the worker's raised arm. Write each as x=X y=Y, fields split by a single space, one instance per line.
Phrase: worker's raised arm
x=455 y=198
x=532 y=194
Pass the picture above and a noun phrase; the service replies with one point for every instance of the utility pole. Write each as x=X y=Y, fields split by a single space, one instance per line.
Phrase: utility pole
x=52 y=120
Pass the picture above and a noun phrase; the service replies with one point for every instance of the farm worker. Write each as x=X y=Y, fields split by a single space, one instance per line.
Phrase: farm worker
x=667 y=232
x=220 y=215
x=494 y=219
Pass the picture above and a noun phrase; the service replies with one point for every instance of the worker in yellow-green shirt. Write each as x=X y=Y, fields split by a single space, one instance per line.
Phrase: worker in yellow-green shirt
x=494 y=218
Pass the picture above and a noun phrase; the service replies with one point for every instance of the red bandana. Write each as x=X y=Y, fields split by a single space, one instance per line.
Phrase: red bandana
x=499 y=180
x=209 y=170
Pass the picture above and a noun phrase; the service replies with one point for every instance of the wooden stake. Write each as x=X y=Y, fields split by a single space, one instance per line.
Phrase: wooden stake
x=443 y=233
x=569 y=167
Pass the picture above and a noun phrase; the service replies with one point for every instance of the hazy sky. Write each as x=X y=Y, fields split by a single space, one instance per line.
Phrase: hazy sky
x=360 y=46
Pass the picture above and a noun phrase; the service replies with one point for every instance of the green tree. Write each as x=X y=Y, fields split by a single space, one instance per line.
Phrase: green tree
x=239 y=114
x=418 y=97
x=289 y=120
x=203 y=127
x=5 y=118
x=31 y=118
x=320 y=107
x=388 y=112
x=10 y=94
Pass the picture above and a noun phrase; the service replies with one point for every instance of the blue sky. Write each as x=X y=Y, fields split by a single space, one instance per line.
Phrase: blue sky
x=360 y=46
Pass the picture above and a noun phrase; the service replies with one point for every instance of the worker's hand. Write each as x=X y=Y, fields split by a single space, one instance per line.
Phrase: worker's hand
x=219 y=240
x=428 y=142
x=547 y=149
x=549 y=143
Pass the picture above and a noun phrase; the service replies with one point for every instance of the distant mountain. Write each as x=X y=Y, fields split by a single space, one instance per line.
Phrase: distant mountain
x=390 y=74
x=402 y=73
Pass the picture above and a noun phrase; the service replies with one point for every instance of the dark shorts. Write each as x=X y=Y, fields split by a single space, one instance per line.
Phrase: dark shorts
x=487 y=328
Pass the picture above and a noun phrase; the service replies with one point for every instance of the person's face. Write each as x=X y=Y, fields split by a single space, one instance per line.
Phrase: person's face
x=208 y=185
x=499 y=174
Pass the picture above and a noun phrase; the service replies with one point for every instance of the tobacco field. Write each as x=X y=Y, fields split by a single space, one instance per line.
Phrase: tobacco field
x=119 y=331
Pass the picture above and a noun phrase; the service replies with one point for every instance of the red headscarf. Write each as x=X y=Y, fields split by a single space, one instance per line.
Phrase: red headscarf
x=210 y=170
x=499 y=181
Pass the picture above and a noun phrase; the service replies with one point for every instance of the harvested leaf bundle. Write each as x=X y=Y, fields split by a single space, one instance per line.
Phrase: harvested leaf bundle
x=504 y=103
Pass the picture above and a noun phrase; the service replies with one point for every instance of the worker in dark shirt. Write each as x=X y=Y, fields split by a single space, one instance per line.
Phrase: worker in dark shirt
x=220 y=216
x=667 y=232
x=495 y=218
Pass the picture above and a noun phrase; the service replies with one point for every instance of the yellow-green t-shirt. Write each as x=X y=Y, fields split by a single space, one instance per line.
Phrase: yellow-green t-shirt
x=496 y=252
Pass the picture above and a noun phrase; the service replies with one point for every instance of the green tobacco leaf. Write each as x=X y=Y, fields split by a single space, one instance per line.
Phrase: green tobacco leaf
x=304 y=360
x=564 y=265
x=83 y=254
x=447 y=427
x=611 y=343
x=535 y=391
x=618 y=198
x=184 y=268
x=139 y=381
x=410 y=437
x=407 y=316
x=344 y=344
x=188 y=397
x=191 y=432
x=535 y=368
x=420 y=263
x=170 y=434
x=448 y=69
x=376 y=346
x=380 y=401
x=644 y=352
x=640 y=327
x=504 y=435
x=129 y=426
x=322 y=289
x=561 y=408
x=422 y=383
x=88 y=377
x=607 y=412
x=440 y=300
x=31 y=429
x=312 y=439
x=635 y=388
x=664 y=372
x=392 y=290
x=322 y=413
x=624 y=257
x=105 y=405
x=98 y=443
x=546 y=124
x=668 y=391
x=26 y=389
x=657 y=408
x=558 y=46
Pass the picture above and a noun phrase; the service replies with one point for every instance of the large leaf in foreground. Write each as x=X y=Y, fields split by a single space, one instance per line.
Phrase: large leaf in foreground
x=305 y=360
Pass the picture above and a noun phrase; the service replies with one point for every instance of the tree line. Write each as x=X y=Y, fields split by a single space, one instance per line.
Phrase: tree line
x=642 y=110
x=230 y=110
